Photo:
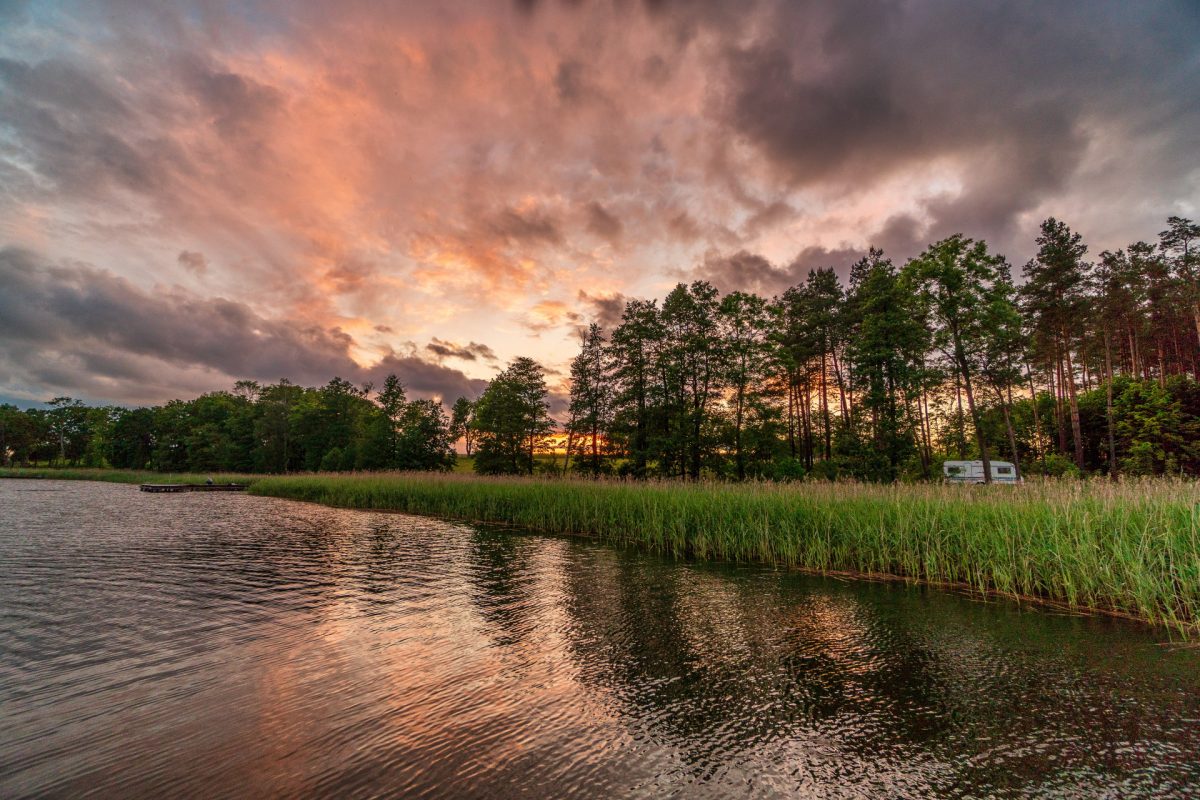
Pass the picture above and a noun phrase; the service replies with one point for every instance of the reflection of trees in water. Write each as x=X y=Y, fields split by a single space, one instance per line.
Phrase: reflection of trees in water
x=502 y=571
x=714 y=661
x=717 y=651
x=1036 y=694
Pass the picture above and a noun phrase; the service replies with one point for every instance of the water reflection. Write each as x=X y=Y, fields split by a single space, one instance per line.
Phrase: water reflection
x=225 y=645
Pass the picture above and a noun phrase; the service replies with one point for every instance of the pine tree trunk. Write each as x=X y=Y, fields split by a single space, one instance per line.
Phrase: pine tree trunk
x=825 y=409
x=1076 y=430
x=791 y=393
x=1012 y=439
x=844 y=401
x=1133 y=354
x=964 y=366
x=910 y=407
x=1162 y=364
x=1060 y=401
x=567 y=457
x=595 y=446
x=1012 y=435
x=1037 y=422
x=805 y=401
x=962 y=435
x=739 y=458
x=1112 y=442
x=926 y=426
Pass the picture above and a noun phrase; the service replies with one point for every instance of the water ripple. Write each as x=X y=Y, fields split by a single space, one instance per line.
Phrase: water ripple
x=223 y=645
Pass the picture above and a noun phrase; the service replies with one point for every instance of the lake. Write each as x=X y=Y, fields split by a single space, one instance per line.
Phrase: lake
x=222 y=645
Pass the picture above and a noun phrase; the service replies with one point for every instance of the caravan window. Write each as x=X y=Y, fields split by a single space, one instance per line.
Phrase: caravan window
x=1004 y=470
x=954 y=470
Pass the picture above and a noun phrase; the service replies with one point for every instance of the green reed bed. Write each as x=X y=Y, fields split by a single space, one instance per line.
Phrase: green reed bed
x=1131 y=548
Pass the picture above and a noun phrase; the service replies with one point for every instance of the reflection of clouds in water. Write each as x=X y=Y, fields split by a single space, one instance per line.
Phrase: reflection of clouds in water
x=243 y=643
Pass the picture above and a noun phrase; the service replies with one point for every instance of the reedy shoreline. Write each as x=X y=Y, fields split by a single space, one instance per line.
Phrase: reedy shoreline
x=1130 y=549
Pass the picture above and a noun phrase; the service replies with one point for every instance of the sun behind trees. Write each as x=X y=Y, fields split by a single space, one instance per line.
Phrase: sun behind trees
x=1084 y=368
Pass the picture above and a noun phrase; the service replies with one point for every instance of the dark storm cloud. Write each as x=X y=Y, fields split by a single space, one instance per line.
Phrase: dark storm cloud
x=84 y=330
x=423 y=169
x=424 y=379
x=59 y=84
x=64 y=151
x=849 y=92
x=79 y=136
x=769 y=216
x=571 y=82
x=812 y=257
x=520 y=226
x=743 y=271
x=683 y=227
x=602 y=223
x=467 y=352
x=605 y=310
x=193 y=262
x=750 y=272
x=237 y=103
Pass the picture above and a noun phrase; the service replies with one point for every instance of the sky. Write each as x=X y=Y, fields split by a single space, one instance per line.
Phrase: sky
x=193 y=193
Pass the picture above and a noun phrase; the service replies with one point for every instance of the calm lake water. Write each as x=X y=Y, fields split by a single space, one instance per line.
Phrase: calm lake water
x=221 y=645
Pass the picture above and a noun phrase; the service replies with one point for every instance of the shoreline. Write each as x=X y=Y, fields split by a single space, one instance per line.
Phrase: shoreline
x=958 y=588
x=1129 y=553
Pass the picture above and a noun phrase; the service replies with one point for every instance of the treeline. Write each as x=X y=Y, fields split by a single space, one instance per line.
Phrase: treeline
x=276 y=428
x=1086 y=367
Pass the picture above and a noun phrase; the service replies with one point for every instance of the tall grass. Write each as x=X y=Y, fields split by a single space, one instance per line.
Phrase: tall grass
x=1131 y=548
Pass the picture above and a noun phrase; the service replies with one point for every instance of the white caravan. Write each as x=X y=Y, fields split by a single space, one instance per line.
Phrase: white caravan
x=972 y=472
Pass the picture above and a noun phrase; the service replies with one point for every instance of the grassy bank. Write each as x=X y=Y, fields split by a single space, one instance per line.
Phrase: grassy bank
x=126 y=476
x=1131 y=549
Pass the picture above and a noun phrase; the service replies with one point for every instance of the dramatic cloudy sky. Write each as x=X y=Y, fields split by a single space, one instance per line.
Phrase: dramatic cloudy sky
x=195 y=192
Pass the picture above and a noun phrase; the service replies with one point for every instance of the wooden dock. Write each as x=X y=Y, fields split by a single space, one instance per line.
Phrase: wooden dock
x=193 y=487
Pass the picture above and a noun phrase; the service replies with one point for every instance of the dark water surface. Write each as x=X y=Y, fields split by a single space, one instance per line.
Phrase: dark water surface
x=219 y=645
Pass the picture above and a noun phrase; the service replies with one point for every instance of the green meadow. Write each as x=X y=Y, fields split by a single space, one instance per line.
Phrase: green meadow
x=125 y=475
x=1130 y=549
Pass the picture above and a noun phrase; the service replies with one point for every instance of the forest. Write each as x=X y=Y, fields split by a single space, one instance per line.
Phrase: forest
x=1074 y=367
